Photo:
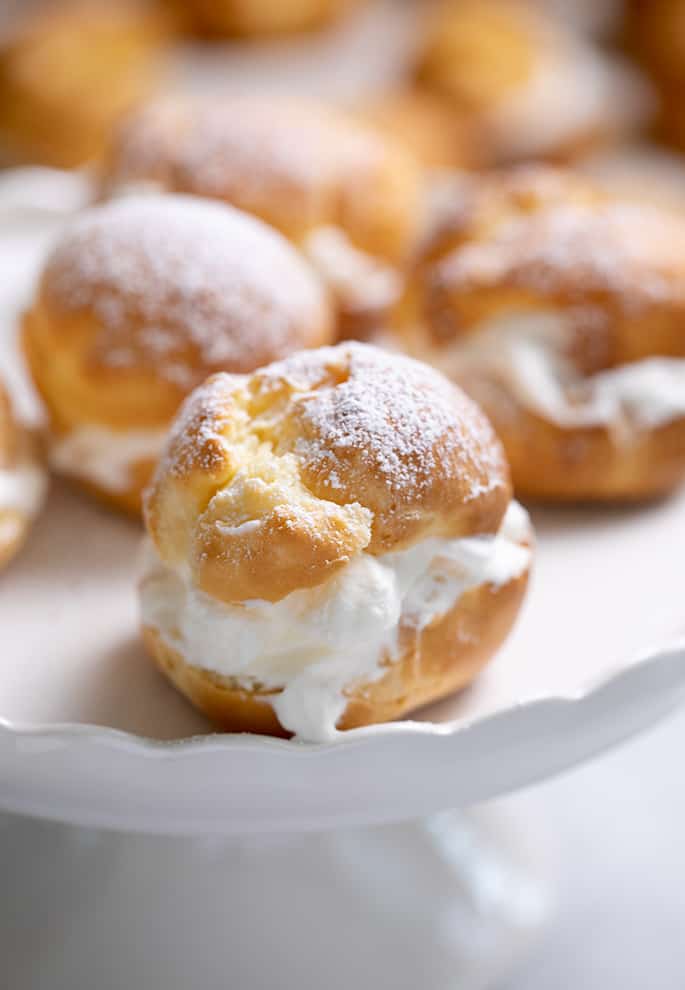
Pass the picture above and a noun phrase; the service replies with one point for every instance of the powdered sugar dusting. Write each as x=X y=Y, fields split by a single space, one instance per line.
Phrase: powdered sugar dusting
x=244 y=150
x=397 y=419
x=632 y=251
x=195 y=439
x=183 y=287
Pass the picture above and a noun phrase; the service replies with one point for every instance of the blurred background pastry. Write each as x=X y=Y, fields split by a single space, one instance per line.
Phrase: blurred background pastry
x=561 y=309
x=641 y=171
x=256 y=18
x=533 y=86
x=23 y=480
x=139 y=301
x=333 y=543
x=347 y=195
x=427 y=124
x=68 y=71
x=654 y=34
x=596 y=18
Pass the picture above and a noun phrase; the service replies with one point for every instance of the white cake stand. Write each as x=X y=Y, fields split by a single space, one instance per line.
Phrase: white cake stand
x=282 y=879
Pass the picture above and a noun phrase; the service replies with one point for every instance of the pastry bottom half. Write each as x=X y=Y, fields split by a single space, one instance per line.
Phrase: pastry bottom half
x=441 y=659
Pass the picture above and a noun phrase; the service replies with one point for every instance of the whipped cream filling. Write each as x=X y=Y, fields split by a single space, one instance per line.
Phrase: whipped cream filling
x=23 y=487
x=358 y=280
x=525 y=351
x=105 y=457
x=314 y=643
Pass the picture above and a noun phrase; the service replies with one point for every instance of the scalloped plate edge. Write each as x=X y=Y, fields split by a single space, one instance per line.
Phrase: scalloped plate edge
x=667 y=661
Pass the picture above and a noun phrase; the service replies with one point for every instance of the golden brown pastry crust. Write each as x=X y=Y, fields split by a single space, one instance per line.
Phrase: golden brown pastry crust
x=145 y=297
x=442 y=659
x=68 y=73
x=435 y=132
x=327 y=453
x=544 y=242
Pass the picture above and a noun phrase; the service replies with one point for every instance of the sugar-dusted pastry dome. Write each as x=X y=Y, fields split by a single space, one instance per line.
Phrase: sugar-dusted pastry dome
x=272 y=482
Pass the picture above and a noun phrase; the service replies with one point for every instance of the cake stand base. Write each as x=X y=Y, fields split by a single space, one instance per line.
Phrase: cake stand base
x=448 y=902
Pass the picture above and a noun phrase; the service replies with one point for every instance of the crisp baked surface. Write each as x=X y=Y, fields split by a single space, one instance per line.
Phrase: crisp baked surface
x=298 y=166
x=271 y=483
x=540 y=241
x=69 y=72
x=440 y=659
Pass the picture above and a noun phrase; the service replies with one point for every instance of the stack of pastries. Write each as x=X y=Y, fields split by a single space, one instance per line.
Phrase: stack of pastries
x=332 y=534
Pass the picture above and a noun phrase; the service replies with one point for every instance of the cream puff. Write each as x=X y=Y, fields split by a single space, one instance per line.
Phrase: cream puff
x=138 y=303
x=256 y=18
x=332 y=543
x=68 y=72
x=23 y=481
x=531 y=85
x=562 y=311
x=347 y=195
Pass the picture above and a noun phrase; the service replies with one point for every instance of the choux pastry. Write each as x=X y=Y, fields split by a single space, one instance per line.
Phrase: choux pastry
x=332 y=543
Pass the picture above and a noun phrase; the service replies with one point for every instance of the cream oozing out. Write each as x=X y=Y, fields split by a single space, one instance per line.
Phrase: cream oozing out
x=525 y=350
x=105 y=457
x=358 y=280
x=312 y=645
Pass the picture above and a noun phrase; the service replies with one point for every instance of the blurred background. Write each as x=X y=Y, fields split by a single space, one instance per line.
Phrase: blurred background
x=467 y=83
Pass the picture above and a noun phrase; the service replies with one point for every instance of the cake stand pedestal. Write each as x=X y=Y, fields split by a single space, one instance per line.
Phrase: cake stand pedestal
x=449 y=902
x=268 y=864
